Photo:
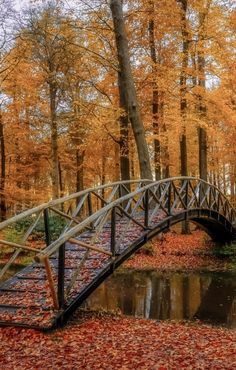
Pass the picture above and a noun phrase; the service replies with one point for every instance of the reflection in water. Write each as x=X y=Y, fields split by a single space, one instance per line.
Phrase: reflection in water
x=210 y=296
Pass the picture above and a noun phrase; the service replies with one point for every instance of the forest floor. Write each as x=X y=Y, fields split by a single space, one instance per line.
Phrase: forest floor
x=104 y=341
x=175 y=251
x=113 y=342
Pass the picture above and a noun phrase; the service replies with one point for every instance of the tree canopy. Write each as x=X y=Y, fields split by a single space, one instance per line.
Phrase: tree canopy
x=64 y=123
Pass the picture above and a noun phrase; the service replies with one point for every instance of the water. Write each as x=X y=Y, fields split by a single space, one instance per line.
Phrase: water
x=210 y=297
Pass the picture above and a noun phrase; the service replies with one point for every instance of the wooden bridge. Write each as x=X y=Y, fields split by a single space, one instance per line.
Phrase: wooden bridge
x=100 y=228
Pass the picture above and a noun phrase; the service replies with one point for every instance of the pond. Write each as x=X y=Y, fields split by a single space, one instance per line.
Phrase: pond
x=209 y=296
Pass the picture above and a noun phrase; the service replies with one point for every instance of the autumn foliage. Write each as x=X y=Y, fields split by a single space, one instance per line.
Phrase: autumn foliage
x=181 y=252
x=60 y=110
x=107 y=342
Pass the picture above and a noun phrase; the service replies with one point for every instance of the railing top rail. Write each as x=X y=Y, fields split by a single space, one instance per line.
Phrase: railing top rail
x=76 y=229
x=146 y=184
x=56 y=202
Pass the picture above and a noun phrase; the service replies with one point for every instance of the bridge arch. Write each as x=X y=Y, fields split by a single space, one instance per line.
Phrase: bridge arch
x=105 y=225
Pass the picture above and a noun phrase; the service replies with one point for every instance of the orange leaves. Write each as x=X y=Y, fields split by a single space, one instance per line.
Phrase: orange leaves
x=107 y=342
x=179 y=252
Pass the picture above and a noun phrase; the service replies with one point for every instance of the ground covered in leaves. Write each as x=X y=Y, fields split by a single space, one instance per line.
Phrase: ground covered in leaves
x=175 y=251
x=96 y=341
x=109 y=342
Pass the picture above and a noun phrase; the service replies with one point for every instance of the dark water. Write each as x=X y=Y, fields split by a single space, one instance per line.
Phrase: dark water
x=210 y=297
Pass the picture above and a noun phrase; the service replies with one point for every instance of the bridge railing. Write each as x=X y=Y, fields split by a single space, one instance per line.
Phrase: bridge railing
x=41 y=225
x=121 y=217
x=121 y=223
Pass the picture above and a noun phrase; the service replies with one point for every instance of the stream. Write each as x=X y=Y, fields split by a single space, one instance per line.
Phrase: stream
x=208 y=296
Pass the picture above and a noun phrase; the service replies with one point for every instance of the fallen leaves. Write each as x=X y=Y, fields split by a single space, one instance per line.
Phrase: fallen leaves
x=109 y=342
x=179 y=252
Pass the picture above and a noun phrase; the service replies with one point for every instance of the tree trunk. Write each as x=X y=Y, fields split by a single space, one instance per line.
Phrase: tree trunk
x=165 y=147
x=183 y=99
x=124 y=135
x=79 y=170
x=202 y=133
x=61 y=185
x=130 y=96
x=183 y=89
x=202 y=138
x=3 y=208
x=155 y=95
x=54 y=142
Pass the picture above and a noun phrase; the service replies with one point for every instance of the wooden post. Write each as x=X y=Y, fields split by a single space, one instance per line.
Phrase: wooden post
x=169 y=199
x=186 y=195
x=113 y=231
x=47 y=226
x=90 y=208
x=146 y=208
x=61 y=276
x=51 y=282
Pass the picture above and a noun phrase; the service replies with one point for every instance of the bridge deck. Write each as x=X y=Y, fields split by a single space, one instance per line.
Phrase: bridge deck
x=25 y=297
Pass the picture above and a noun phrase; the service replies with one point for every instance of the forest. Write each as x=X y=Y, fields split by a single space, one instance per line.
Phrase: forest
x=65 y=122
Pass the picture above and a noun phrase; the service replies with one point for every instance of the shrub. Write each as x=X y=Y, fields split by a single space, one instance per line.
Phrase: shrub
x=16 y=231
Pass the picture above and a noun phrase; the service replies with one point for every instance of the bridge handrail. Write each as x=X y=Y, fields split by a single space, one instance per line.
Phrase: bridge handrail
x=56 y=202
x=54 y=246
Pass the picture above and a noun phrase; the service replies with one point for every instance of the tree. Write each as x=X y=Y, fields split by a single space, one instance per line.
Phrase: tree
x=183 y=87
x=156 y=108
x=5 y=69
x=202 y=133
x=47 y=34
x=129 y=89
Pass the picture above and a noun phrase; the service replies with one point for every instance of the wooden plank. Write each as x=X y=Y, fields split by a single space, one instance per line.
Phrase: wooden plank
x=63 y=214
x=76 y=273
x=16 y=245
x=89 y=246
x=51 y=283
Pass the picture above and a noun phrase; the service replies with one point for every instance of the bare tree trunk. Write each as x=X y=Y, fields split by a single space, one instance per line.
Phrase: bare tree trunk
x=103 y=169
x=183 y=88
x=202 y=137
x=3 y=208
x=202 y=133
x=61 y=185
x=54 y=142
x=116 y=176
x=155 y=95
x=124 y=134
x=79 y=170
x=183 y=98
x=130 y=95
x=165 y=156
x=233 y=184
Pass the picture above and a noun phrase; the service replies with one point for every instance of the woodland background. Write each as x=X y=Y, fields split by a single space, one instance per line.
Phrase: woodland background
x=63 y=123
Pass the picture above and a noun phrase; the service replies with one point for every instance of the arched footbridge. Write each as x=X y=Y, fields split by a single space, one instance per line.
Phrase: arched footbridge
x=72 y=244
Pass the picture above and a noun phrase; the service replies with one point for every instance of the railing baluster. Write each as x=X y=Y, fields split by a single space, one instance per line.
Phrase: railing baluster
x=146 y=208
x=169 y=199
x=90 y=207
x=61 y=276
x=49 y=275
x=186 y=195
x=47 y=226
x=113 y=231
